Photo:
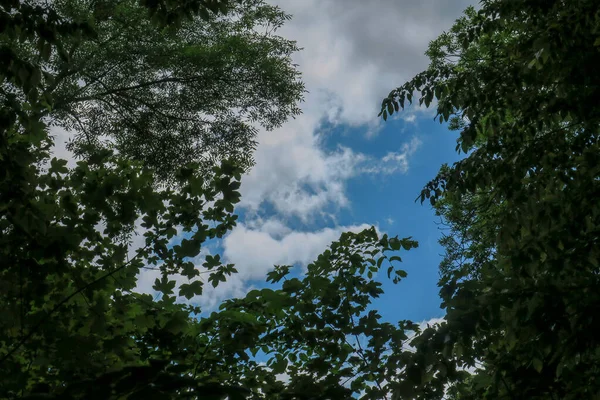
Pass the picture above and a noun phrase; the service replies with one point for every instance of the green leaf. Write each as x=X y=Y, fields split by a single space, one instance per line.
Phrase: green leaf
x=401 y=273
x=58 y=166
x=395 y=244
x=280 y=366
x=164 y=285
x=188 y=248
x=189 y=290
x=537 y=364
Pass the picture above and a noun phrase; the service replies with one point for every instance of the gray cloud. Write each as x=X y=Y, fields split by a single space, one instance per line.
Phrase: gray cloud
x=393 y=33
x=354 y=52
x=385 y=37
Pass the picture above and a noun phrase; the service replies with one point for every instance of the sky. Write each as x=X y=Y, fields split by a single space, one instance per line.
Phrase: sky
x=338 y=167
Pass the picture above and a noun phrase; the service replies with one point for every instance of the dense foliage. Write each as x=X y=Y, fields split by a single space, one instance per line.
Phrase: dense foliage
x=72 y=325
x=521 y=275
x=195 y=92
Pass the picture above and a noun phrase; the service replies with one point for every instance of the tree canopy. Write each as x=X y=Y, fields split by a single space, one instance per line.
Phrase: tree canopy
x=73 y=325
x=195 y=91
x=520 y=278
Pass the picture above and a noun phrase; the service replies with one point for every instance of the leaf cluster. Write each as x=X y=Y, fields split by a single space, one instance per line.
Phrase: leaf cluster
x=519 y=276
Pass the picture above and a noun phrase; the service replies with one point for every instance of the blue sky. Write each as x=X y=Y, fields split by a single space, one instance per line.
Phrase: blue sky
x=338 y=167
x=388 y=202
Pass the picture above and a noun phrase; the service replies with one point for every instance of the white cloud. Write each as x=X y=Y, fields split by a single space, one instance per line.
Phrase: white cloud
x=296 y=176
x=394 y=162
x=353 y=53
x=256 y=251
x=272 y=226
x=410 y=118
x=356 y=51
x=302 y=180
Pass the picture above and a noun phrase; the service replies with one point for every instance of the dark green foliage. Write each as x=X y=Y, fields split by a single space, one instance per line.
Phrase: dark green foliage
x=71 y=323
x=519 y=280
x=194 y=91
x=44 y=29
x=67 y=282
x=320 y=329
x=72 y=326
x=520 y=277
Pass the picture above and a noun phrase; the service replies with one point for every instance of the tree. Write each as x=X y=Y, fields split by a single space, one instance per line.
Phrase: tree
x=191 y=92
x=43 y=28
x=67 y=283
x=72 y=325
x=515 y=77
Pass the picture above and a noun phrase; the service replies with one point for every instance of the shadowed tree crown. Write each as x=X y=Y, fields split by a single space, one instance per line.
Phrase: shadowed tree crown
x=195 y=90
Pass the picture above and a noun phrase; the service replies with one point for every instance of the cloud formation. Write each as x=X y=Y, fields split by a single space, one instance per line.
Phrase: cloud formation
x=303 y=180
x=254 y=249
x=354 y=52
